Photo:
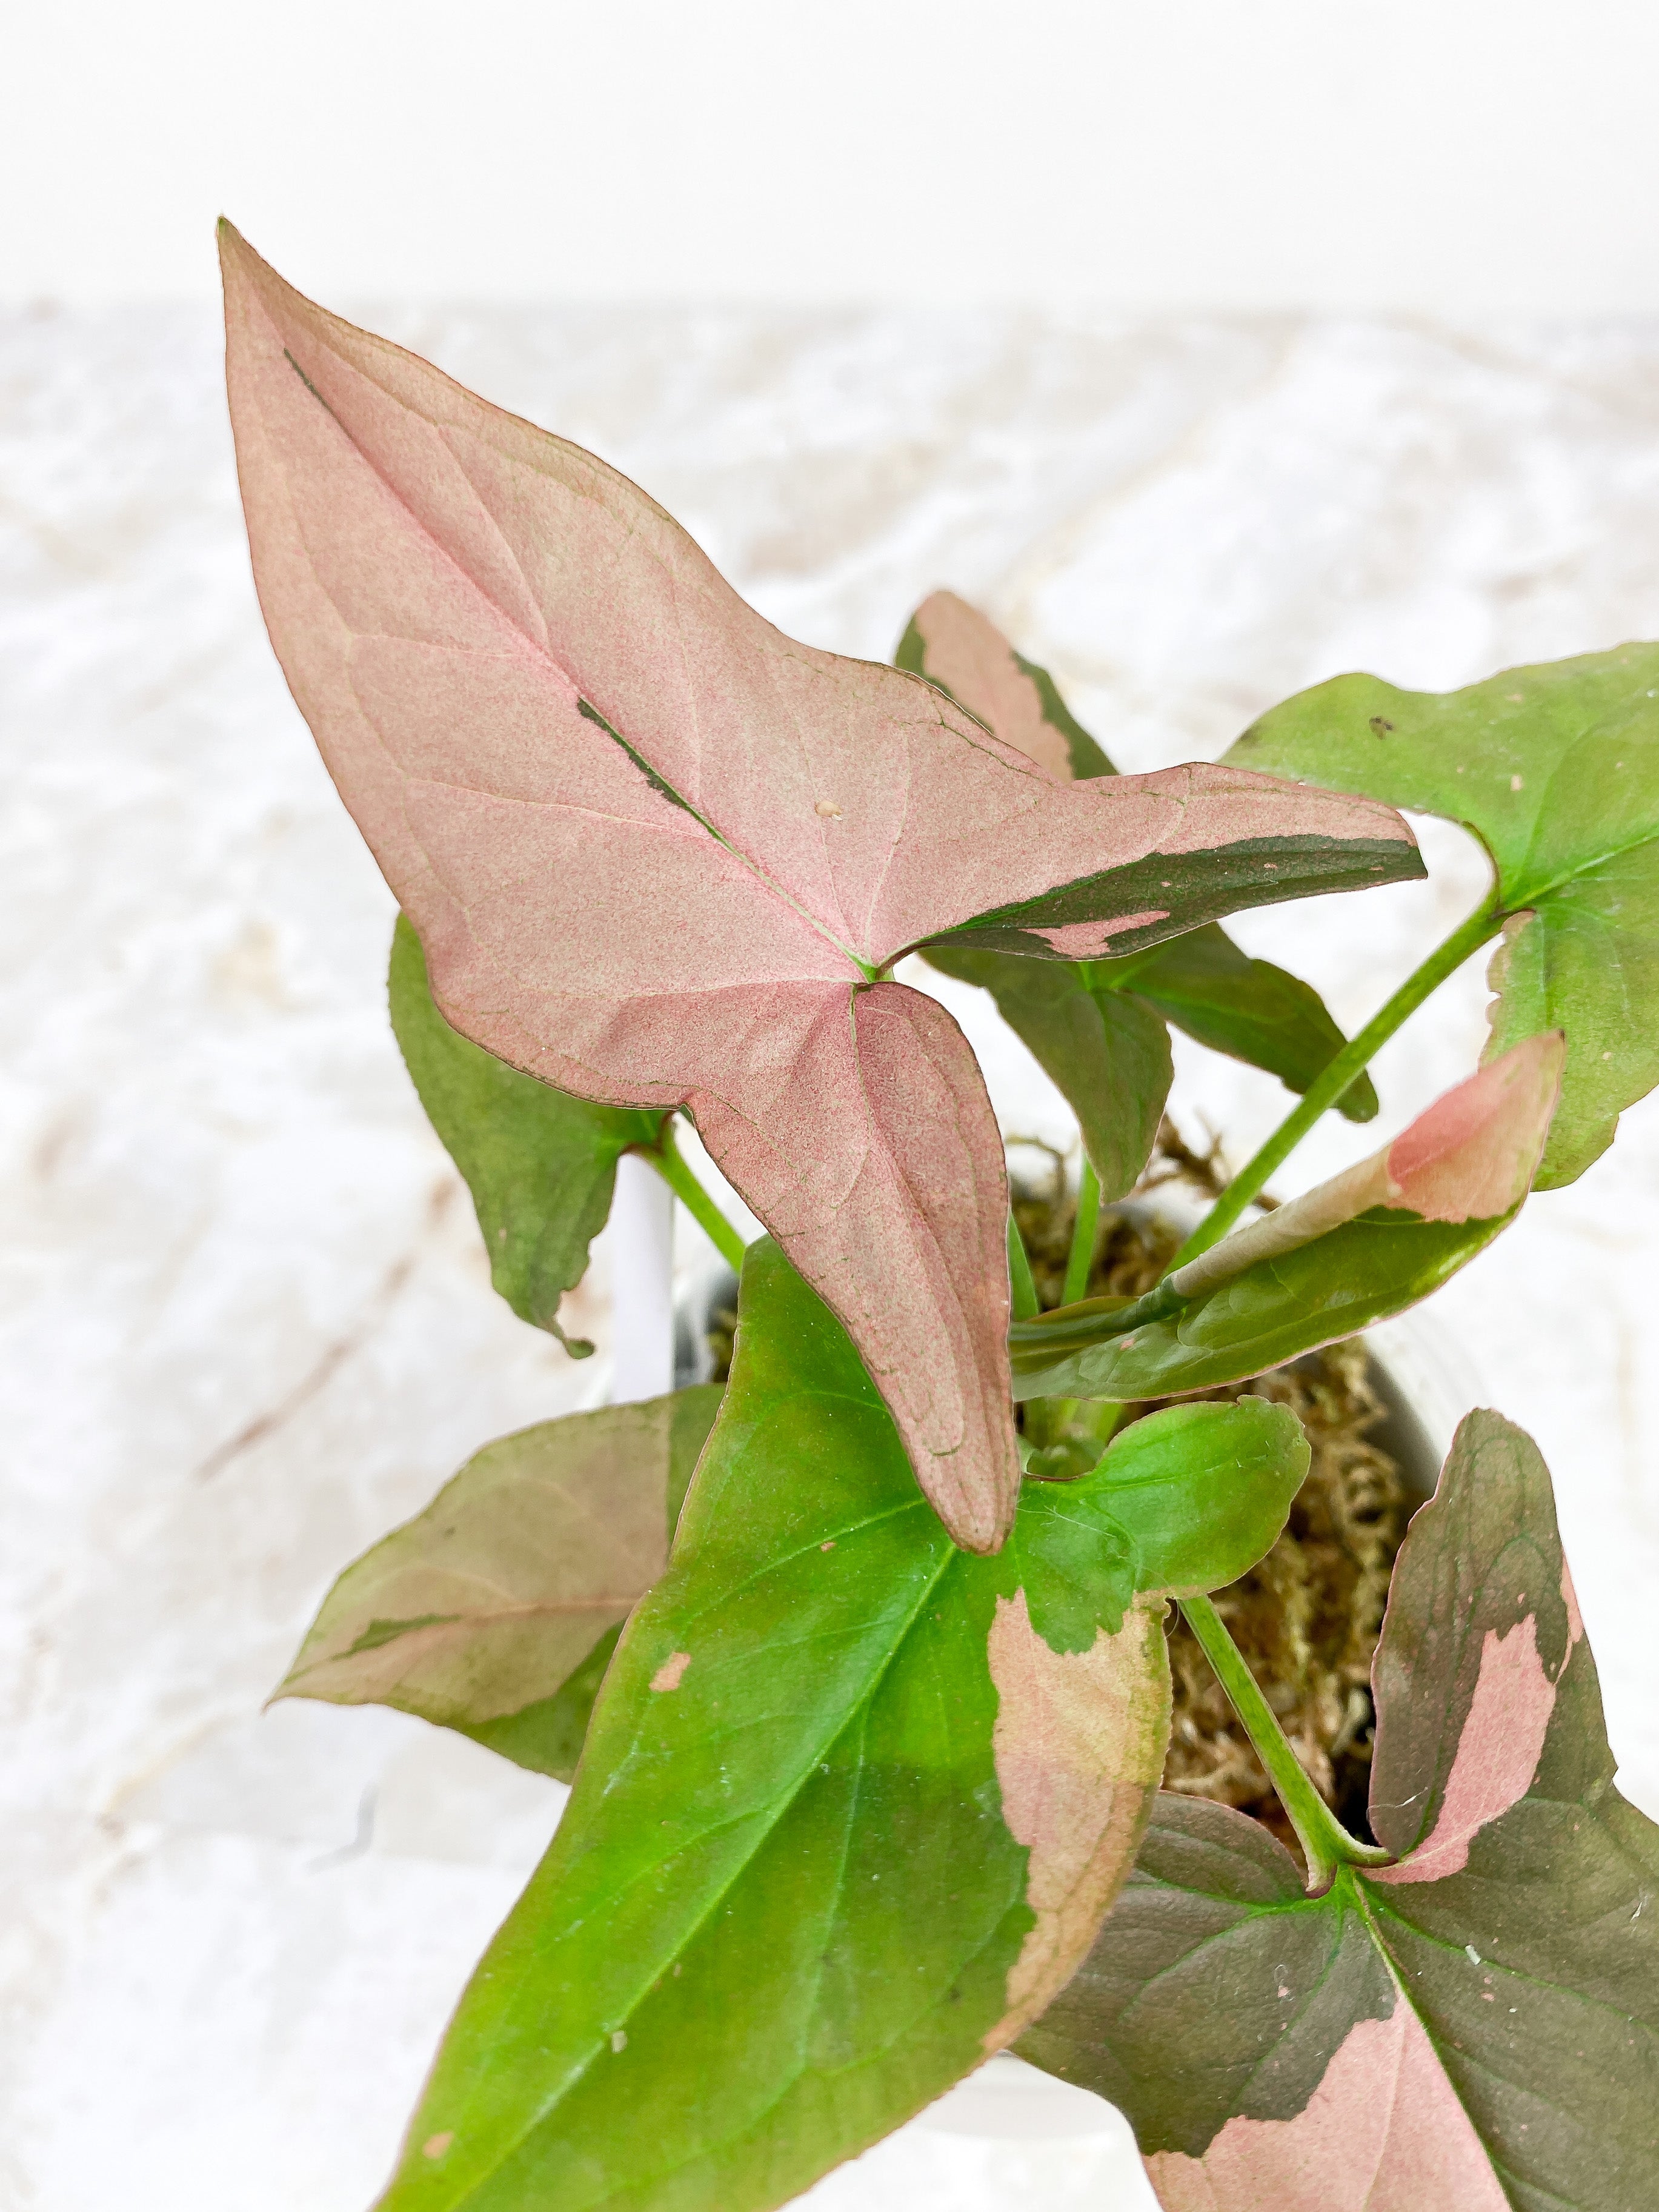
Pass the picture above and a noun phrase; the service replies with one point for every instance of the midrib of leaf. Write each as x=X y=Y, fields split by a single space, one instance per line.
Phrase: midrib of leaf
x=785 y=1800
x=465 y=1624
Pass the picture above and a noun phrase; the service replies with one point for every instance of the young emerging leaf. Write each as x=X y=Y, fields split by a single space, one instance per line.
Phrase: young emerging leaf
x=1472 y=2029
x=1095 y=1027
x=854 y=1797
x=1370 y=1243
x=541 y=1165
x=659 y=855
x=1555 y=770
x=495 y=1611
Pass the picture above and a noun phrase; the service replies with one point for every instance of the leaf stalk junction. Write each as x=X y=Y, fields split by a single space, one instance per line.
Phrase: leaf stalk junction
x=1325 y=1843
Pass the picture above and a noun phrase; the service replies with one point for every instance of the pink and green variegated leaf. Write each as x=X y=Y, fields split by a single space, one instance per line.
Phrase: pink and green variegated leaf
x=495 y=1611
x=1370 y=1243
x=1555 y=768
x=1097 y=1027
x=1471 y=2029
x=659 y=855
x=853 y=1803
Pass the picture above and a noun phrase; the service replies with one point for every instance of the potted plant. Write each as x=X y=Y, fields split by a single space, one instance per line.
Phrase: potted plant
x=859 y=1659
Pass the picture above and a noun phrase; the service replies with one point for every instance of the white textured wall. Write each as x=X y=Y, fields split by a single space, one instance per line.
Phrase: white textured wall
x=247 y=1323
x=1422 y=156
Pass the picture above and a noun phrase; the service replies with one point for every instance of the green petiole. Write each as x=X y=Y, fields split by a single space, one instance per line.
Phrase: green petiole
x=1325 y=1842
x=1026 y=1305
x=677 y=1175
x=1324 y=1091
x=1081 y=1257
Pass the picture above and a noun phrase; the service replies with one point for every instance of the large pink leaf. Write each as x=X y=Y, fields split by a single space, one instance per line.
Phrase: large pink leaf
x=658 y=853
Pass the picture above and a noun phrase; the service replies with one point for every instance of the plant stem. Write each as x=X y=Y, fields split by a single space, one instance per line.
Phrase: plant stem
x=1325 y=1842
x=677 y=1175
x=1081 y=1258
x=1329 y=1085
x=1026 y=1303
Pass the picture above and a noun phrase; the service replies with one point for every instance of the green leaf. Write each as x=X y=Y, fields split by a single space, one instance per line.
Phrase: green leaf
x=1474 y=2028
x=1249 y=1009
x=541 y=1165
x=1370 y=1243
x=1556 y=769
x=1107 y=1055
x=843 y=1798
x=495 y=1611
x=1204 y=1490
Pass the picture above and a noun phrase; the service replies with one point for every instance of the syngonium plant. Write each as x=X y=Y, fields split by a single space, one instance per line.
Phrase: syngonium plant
x=857 y=1662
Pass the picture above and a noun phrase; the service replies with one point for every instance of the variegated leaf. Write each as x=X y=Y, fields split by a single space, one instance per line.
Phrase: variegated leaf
x=1370 y=1243
x=495 y=1611
x=1556 y=769
x=1474 y=2028
x=1095 y=1027
x=853 y=1803
x=659 y=855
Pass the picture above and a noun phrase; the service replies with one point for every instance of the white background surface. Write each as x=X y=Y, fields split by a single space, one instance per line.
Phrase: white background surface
x=247 y=1326
x=1424 y=156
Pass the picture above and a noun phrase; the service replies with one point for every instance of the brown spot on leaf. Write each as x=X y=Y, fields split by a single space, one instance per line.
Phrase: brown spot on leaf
x=671 y=1672
x=436 y=2146
x=826 y=809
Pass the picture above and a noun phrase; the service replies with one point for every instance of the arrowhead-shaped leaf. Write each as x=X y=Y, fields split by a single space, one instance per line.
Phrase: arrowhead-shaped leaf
x=1556 y=769
x=1095 y=1028
x=495 y=1611
x=1472 y=2029
x=854 y=1797
x=1370 y=1243
x=541 y=1165
x=659 y=855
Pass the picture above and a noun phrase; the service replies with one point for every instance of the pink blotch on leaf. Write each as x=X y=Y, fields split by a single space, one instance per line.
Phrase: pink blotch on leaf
x=1384 y=2132
x=1496 y=1756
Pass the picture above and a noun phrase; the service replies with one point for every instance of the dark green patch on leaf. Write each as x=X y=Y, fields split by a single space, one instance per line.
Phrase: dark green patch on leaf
x=1334 y=1286
x=540 y=1165
x=386 y=1632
